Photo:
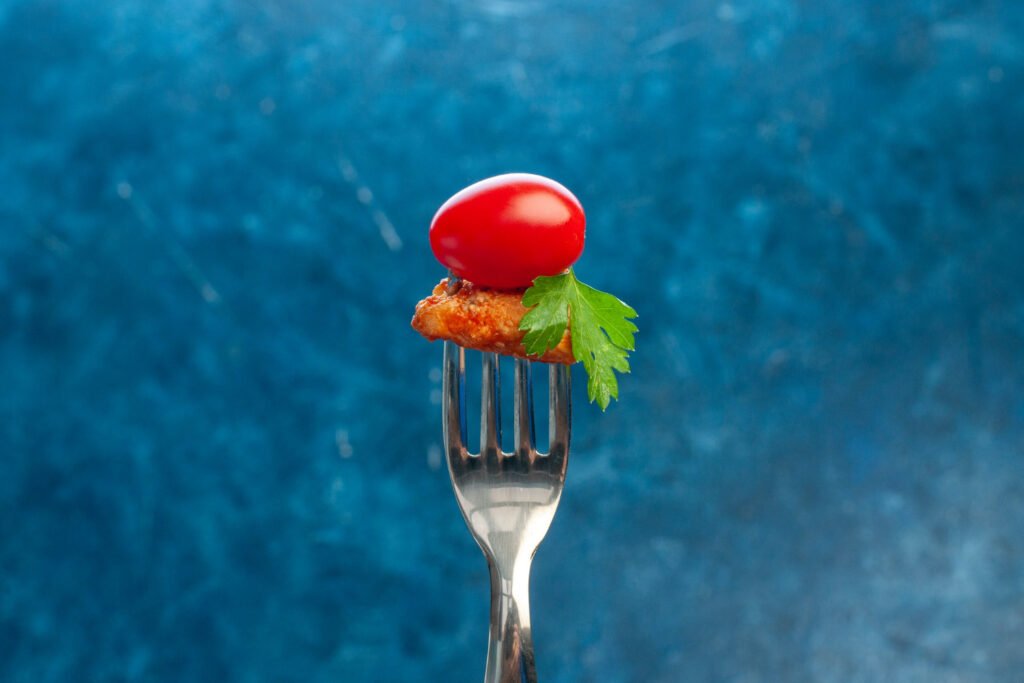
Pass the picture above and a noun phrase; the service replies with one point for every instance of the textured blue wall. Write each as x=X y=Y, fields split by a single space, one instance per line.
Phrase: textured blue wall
x=219 y=439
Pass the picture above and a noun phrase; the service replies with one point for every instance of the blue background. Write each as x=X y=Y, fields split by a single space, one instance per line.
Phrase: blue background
x=220 y=440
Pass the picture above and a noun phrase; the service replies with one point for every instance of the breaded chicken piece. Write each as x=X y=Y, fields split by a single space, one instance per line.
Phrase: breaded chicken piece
x=479 y=318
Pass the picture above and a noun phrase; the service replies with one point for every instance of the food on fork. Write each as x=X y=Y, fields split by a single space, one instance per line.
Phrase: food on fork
x=510 y=242
x=480 y=318
x=505 y=231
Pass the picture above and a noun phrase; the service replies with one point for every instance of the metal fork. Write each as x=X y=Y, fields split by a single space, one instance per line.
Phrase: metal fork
x=507 y=499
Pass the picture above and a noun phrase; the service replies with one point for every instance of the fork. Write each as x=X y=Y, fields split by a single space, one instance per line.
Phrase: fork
x=507 y=499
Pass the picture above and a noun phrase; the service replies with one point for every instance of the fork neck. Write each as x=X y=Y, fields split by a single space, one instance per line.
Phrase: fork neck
x=510 y=645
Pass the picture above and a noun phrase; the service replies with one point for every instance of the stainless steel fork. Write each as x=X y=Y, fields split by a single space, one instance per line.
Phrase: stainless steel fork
x=507 y=499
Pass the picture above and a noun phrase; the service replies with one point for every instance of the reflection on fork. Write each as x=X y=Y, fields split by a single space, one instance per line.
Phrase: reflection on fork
x=507 y=499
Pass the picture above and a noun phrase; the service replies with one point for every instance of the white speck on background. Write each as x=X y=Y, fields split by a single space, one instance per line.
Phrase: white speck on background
x=434 y=457
x=364 y=195
x=343 y=444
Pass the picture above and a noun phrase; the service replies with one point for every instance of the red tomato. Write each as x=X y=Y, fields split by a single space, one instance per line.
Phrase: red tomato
x=504 y=231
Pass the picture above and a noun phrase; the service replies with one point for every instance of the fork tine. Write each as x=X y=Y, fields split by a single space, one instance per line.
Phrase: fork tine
x=490 y=411
x=524 y=436
x=453 y=416
x=560 y=422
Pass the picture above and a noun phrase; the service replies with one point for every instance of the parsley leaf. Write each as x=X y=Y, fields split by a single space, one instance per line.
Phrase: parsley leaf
x=599 y=326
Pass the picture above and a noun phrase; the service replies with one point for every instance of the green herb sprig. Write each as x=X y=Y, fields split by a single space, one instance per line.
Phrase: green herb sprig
x=599 y=327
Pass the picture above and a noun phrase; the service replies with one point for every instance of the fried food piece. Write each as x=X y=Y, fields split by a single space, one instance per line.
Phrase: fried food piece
x=479 y=318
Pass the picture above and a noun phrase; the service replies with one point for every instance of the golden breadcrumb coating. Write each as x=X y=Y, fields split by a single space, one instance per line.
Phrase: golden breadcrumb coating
x=479 y=318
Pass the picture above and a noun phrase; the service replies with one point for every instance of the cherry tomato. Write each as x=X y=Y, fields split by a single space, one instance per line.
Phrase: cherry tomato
x=504 y=231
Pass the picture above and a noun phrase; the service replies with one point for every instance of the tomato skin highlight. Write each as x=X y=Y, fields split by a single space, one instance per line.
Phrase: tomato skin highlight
x=505 y=231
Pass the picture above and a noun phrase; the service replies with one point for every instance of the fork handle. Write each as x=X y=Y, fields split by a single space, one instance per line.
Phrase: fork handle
x=510 y=645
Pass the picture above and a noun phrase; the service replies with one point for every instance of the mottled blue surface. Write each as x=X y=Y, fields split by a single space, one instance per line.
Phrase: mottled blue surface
x=219 y=438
